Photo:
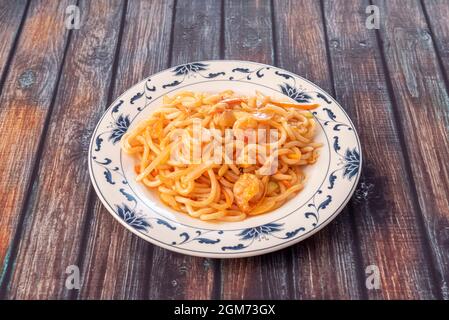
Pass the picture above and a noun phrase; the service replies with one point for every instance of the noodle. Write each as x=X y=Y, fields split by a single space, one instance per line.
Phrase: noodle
x=224 y=175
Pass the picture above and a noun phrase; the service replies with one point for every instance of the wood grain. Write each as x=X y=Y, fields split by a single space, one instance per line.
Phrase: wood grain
x=11 y=16
x=196 y=36
x=25 y=101
x=196 y=31
x=437 y=12
x=387 y=220
x=116 y=263
x=55 y=216
x=55 y=84
x=324 y=266
x=248 y=36
x=248 y=30
x=422 y=102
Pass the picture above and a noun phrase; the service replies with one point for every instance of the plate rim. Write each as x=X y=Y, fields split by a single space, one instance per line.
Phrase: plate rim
x=228 y=254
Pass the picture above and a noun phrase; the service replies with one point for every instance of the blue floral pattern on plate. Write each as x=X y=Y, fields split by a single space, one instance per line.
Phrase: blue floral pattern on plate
x=352 y=164
x=254 y=236
x=129 y=217
x=120 y=127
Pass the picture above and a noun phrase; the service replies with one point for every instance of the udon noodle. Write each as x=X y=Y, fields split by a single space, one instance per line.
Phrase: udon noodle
x=235 y=175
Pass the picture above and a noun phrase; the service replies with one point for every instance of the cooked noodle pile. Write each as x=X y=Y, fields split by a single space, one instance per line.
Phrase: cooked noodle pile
x=250 y=178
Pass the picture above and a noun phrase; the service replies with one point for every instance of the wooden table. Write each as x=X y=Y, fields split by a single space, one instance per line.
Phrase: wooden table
x=56 y=82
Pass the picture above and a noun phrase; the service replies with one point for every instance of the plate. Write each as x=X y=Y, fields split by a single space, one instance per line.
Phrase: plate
x=330 y=182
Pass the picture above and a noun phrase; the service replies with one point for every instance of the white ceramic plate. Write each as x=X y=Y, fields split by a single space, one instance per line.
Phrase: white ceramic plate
x=329 y=186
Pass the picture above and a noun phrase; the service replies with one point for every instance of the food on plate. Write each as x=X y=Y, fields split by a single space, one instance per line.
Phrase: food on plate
x=222 y=156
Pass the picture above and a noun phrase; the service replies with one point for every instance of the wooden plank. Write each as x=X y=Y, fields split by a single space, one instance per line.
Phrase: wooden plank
x=116 y=262
x=437 y=17
x=386 y=215
x=248 y=36
x=25 y=101
x=11 y=16
x=196 y=31
x=324 y=266
x=422 y=101
x=196 y=36
x=248 y=31
x=55 y=217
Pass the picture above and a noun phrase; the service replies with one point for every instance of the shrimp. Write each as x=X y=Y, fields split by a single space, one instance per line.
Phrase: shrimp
x=245 y=189
x=244 y=120
x=226 y=119
x=234 y=100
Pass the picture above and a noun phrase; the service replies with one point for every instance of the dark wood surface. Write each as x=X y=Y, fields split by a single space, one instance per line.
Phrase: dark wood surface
x=55 y=83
